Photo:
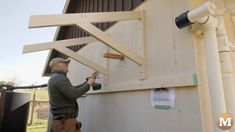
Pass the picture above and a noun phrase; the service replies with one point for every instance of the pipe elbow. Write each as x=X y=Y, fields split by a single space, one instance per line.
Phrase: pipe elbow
x=199 y=14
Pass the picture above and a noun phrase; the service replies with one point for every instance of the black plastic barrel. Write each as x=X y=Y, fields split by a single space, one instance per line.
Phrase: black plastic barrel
x=15 y=111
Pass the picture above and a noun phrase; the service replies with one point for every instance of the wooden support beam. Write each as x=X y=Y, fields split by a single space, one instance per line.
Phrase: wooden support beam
x=71 y=19
x=107 y=63
x=143 y=47
x=81 y=59
x=111 y=42
x=173 y=81
x=84 y=21
x=61 y=43
x=113 y=56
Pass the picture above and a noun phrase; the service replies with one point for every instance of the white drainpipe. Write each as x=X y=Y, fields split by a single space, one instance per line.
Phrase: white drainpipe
x=213 y=68
x=227 y=69
x=208 y=24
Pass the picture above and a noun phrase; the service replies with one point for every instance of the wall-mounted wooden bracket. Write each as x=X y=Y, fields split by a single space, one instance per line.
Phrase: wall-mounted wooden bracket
x=61 y=45
x=84 y=21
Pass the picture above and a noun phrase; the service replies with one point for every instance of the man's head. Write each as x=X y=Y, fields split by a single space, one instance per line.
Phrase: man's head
x=59 y=64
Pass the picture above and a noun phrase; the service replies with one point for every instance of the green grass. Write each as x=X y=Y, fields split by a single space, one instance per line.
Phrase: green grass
x=33 y=129
x=37 y=127
x=42 y=127
x=41 y=94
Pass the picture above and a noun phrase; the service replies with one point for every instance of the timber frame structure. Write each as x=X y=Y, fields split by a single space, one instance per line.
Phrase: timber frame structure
x=85 y=21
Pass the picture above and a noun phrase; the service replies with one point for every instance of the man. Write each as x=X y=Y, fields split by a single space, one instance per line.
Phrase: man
x=63 y=97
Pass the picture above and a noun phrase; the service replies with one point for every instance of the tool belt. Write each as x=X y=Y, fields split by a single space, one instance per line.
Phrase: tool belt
x=66 y=117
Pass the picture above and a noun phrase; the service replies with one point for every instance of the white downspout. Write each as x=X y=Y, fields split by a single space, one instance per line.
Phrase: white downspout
x=226 y=67
x=213 y=69
x=208 y=24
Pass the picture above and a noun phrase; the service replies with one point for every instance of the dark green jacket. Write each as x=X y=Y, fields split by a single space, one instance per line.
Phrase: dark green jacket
x=63 y=96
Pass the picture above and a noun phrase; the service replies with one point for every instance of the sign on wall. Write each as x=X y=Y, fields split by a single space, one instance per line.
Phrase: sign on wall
x=163 y=98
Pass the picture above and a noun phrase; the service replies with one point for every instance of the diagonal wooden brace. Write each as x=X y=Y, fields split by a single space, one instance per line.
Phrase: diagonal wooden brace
x=111 y=42
x=81 y=59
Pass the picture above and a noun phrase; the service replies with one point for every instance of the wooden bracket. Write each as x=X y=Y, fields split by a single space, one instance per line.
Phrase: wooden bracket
x=80 y=59
x=84 y=21
x=61 y=45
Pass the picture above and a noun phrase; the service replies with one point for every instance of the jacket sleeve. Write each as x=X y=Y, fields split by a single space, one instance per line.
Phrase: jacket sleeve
x=81 y=84
x=65 y=87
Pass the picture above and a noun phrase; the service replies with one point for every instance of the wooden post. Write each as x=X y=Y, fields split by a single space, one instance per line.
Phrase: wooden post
x=33 y=107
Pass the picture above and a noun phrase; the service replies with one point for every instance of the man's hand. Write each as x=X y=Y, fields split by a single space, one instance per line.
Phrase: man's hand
x=91 y=80
x=94 y=74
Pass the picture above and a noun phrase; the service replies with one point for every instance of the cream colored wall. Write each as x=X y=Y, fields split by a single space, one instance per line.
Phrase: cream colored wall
x=171 y=63
x=170 y=57
x=132 y=112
